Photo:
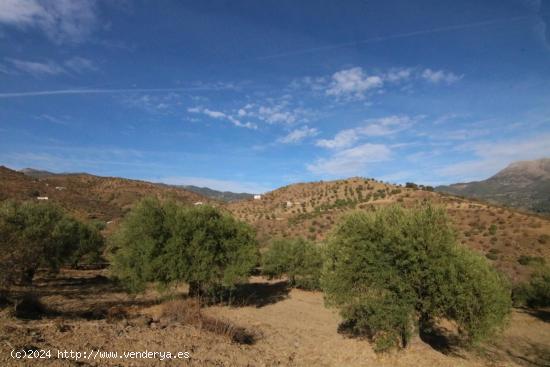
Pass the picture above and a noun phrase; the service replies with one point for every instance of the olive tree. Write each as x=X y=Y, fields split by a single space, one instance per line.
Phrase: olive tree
x=395 y=270
x=34 y=235
x=167 y=243
x=300 y=260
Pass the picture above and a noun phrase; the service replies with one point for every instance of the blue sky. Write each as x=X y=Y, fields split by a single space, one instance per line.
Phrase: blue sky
x=253 y=95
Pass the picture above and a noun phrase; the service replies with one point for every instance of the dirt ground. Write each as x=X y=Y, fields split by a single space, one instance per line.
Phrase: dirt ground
x=86 y=312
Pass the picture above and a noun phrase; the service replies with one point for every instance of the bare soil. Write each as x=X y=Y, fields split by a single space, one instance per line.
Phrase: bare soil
x=86 y=311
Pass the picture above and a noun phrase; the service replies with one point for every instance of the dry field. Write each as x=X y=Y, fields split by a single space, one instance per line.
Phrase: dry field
x=86 y=311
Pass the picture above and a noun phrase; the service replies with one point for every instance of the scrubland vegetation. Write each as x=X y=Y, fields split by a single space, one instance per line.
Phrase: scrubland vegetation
x=393 y=272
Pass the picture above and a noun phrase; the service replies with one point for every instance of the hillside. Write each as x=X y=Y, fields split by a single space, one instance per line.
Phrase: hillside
x=304 y=209
x=524 y=184
x=311 y=209
x=218 y=195
x=87 y=196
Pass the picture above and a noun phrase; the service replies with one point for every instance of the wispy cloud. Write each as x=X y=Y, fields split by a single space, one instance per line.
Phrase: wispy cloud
x=75 y=64
x=60 y=20
x=492 y=156
x=351 y=161
x=37 y=69
x=372 y=127
x=353 y=83
x=218 y=115
x=80 y=65
x=297 y=135
x=56 y=92
x=440 y=76
x=342 y=139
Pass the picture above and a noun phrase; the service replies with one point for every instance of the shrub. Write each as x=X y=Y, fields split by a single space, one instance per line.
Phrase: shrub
x=298 y=259
x=36 y=235
x=535 y=293
x=531 y=260
x=167 y=243
x=393 y=269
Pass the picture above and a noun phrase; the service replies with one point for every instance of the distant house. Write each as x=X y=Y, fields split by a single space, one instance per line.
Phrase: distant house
x=59 y=188
x=199 y=203
x=257 y=197
x=42 y=198
x=289 y=204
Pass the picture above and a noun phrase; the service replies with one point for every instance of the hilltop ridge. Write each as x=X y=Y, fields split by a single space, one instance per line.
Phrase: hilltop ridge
x=522 y=184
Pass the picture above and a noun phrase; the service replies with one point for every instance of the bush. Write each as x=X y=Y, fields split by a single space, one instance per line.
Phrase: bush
x=531 y=260
x=393 y=270
x=298 y=259
x=535 y=293
x=168 y=243
x=36 y=235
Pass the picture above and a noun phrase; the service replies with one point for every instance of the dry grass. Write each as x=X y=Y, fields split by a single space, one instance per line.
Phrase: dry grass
x=188 y=312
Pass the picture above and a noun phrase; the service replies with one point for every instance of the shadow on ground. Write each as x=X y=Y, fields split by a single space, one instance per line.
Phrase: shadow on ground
x=259 y=294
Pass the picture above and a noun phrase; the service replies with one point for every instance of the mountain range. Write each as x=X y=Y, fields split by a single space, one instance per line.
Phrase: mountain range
x=523 y=185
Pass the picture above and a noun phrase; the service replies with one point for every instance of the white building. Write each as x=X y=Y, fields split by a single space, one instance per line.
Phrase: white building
x=289 y=204
x=198 y=203
x=42 y=198
x=59 y=188
x=257 y=197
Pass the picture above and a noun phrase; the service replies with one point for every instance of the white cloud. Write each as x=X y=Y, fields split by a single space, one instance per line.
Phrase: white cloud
x=222 y=116
x=372 y=127
x=352 y=161
x=37 y=69
x=49 y=68
x=440 y=76
x=398 y=75
x=276 y=114
x=353 y=83
x=342 y=139
x=61 y=20
x=194 y=109
x=494 y=156
x=298 y=135
x=214 y=114
x=386 y=125
x=80 y=65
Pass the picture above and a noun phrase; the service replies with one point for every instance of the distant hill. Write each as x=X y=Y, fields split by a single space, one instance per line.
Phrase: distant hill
x=308 y=210
x=36 y=173
x=227 y=196
x=85 y=195
x=312 y=210
x=524 y=185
